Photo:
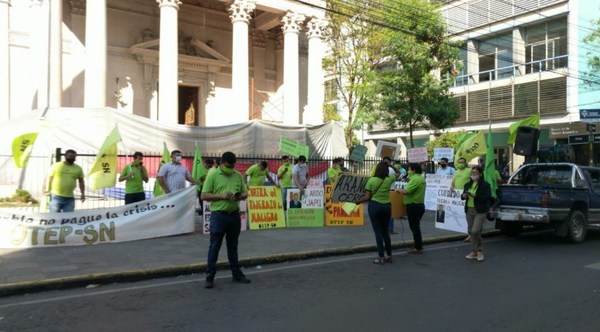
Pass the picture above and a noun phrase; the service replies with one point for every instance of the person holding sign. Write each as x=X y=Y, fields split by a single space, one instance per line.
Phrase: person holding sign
x=284 y=175
x=334 y=171
x=415 y=206
x=300 y=175
x=477 y=194
x=224 y=188
x=380 y=210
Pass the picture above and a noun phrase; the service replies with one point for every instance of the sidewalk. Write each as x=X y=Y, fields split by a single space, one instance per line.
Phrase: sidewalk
x=36 y=269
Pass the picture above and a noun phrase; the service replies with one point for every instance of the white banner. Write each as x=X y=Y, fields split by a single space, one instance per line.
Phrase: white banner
x=417 y=155
x=163 y=216
x=450 y=209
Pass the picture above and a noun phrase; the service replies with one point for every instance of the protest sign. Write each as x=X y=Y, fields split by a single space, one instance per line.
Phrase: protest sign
x=450 y=209
x=293 y=148
x=439 y=153
x=308 y=211
x=349 y=188
x=335 y=215
x=358 y=153
x=265 y=208
x=387 y=149
x=417 y=155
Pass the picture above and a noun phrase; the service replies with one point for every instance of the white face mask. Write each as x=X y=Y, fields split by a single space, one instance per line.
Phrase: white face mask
x=475 y=177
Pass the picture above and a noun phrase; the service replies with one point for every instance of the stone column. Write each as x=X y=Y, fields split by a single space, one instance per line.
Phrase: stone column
x=240 y=12
x=95 y=54
x=55 y=55
x=39 y=49
x=313 y=113
x=168 y=89
x=4 y=61
x=291 y=99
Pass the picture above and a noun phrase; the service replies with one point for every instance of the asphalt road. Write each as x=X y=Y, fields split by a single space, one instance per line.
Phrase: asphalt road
x=531 y=283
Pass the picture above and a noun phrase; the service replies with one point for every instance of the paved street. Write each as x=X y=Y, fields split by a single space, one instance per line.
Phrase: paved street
x=529 y=283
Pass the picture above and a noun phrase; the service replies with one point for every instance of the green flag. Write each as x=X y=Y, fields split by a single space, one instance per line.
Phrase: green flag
x=166 y=158
x=532 y=121
x=198 y=170
x=463 y=138
x=472 y=147
x=490 y=168
x=21 y=148
x=103 y=173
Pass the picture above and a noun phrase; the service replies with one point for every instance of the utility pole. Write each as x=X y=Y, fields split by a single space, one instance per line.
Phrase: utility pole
x=591 y=128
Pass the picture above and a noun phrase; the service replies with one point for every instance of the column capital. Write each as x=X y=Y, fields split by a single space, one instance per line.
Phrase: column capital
x=8 y=2
x=315 y=28
x=169 y=3
x=292 y=22
x=240 y=11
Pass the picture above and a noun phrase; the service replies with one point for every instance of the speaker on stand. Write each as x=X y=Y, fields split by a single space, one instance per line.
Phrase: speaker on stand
x=526 y=142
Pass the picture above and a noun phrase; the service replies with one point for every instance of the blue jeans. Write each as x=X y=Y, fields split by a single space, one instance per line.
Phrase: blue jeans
x=224 y=225
x=380 y=215
x=61 y=204
x=284 y=196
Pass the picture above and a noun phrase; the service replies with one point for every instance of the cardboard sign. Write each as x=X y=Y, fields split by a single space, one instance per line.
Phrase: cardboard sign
x=349 y=188
x=417 y=155
x=439 y=153
x=265 y=208
x=387 y=149
x=335 y=214
x=358 y=153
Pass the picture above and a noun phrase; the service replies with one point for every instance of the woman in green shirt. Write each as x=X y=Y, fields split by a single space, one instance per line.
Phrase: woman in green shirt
x=414 y=200
x=477 y=195
x=380 y=210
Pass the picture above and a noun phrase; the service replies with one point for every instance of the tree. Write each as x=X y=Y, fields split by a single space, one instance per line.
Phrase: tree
x=418 y=53
x=330 y=113
x=445 y=140
x=593 y=42
x=356 y=49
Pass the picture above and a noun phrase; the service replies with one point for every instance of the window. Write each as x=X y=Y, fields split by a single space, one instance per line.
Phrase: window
x=495 y=58
x=546 y=46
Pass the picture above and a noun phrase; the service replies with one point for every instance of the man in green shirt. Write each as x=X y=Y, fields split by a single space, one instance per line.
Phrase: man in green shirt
x=224 y=188
x=62 y=182
x=134 y=174
x=461 y=176
x=414 y=200
x=257 y=174
x=334 y=171
x=284 y=175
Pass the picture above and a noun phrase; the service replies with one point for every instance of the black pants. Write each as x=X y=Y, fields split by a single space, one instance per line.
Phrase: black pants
x=414 y=213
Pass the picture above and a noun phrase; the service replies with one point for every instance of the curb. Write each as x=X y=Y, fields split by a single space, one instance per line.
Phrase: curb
x=189 y=269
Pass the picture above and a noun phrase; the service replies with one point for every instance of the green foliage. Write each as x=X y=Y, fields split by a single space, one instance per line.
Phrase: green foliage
x=593 y=44
x=20 y=196
x=445 y=140
x=355 y=49
x=330 y=113
x=410 y=94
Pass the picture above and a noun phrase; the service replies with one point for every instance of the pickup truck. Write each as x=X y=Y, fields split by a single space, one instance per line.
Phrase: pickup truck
x=562 y=196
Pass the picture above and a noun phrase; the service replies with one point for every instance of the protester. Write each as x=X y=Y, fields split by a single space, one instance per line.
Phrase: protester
x=380 y=210
x=392 y=170
x=300 y=175
x=62 y=182
x=477 y=194
x=134 y=174
x=257 y=174
x=172 y=176
x=334 y=171
x=284 y=175
x=414 y=199
x=224 y=188
x=444 y=169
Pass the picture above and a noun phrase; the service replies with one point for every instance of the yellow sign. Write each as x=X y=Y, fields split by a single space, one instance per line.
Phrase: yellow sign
x=265 y=208
x=336 y=215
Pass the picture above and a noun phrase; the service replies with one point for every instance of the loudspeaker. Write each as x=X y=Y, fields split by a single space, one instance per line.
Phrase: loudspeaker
x=527 y=141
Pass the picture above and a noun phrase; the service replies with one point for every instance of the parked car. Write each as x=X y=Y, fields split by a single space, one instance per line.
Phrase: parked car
x=562 y=196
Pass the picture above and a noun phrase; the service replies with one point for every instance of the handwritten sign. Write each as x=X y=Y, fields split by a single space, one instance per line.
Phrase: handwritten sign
x=335 y=215
x=358 y=153
x=450 y=209
x=293 y=148
x=439 y=153
x=349 y=188
x=417 y=155
x=265 y=208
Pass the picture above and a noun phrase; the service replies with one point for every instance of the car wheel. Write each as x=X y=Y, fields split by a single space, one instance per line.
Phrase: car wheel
x=576 y=227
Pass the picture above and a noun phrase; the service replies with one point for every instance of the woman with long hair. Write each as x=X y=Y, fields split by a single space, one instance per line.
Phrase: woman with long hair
x=380 y=210
x=477 y=194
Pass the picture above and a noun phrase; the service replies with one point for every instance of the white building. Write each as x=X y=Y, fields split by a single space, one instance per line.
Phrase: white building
x=522 y=57
x=195 y=62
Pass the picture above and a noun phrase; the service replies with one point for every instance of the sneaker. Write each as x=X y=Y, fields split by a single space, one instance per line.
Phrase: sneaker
x=240 y=278
x=480 y=256
x=210 y=282
x=471 y=255
x=415 y=251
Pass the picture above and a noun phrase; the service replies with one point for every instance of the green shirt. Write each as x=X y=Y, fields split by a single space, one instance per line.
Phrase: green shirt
x=416 y=189
x=64 y=178
x=461 y=177
x=332 y=174
x=380 y=188
x=257 y=175
x=218 y=182
x=286 y=179
x=136 y=183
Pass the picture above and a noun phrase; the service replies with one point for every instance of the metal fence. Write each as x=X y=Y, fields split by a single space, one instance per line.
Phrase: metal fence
x=32 y=178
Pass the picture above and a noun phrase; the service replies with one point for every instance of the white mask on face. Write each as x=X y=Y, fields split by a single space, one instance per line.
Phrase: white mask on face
x=178 y=159
x=475 y=177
